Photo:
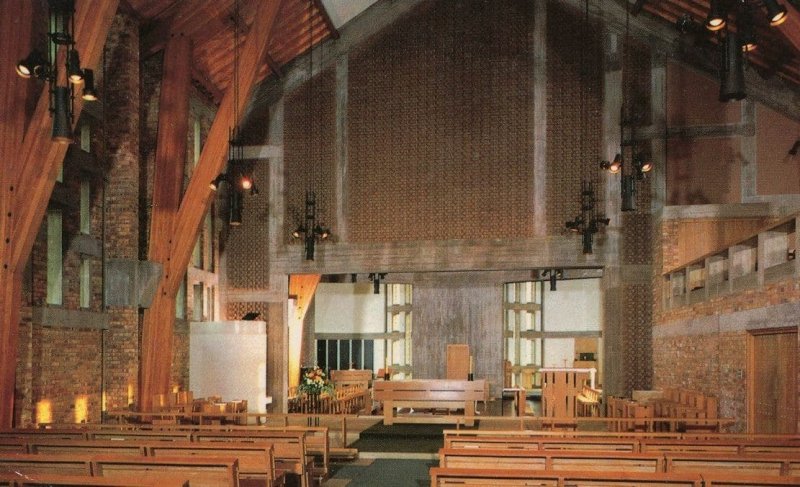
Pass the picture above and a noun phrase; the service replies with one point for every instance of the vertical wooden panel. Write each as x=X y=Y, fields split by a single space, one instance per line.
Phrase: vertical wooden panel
x=457 y=361
x=772 y=382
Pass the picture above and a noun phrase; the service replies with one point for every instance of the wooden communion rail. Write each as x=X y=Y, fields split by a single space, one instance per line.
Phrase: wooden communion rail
x=430 y=394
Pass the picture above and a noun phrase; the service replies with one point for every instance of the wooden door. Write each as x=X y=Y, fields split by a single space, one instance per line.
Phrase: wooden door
x=772 y=381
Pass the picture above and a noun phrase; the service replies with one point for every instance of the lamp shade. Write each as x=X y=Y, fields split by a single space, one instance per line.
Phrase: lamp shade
x=717 y=17
x=776 y=13
x=62 y=125
x=731 y=86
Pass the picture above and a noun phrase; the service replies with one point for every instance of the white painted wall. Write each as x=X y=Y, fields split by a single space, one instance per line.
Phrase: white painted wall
x=351 y=308
x=229 y=359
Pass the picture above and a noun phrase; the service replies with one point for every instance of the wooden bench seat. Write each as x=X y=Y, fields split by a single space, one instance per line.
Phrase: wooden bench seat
x=200 y=471
x=429 y=394
x=479 y=476
x=138 y=434
x=53 y=480
x=550 y=460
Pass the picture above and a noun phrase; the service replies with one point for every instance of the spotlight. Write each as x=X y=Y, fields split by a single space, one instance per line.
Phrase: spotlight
x=776 y=13
x=74 y=67
x=642 y=165
x=732 y=72
x=246 y=182
x=574 y=225
x=62 y=125
x=716 y=19
x=89 y=93
x=614 y=166
x=254 y=190
x=214 y=185
x=33 y=65
x=298 y=232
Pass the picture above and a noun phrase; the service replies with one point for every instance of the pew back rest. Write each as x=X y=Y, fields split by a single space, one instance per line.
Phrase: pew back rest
x=551 y=460
x=54 y=480
x=142 y=435
x=85 y=447
x=539 y=443
x=289 y=447
x=45 y=464
x=67 y=434
x=200 y=471
x=489 y=476
x=772 y=464
x=344 y=378
x=255 y=459
x=737 y=480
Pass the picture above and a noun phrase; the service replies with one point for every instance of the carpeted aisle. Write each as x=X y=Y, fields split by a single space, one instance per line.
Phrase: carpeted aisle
x=381 y=472
x=405 y=438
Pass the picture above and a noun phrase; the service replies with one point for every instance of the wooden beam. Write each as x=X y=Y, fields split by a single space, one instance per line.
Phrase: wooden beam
x=173 y=125
x=790 y=28
x=195 y=204
x=29 y=163
x=327 y=18
x=15 y=33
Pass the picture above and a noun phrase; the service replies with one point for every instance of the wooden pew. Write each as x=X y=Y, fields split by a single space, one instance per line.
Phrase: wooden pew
x=719 y=445
x=13 y=445
x=256 y=460
x=738 y=480
x=479 y=476
x=59 y=446
x=429 y=394
x=140 y=435
x=52 y=480
x=344 y=378
x=200 y=471
x=551 y=460
x=29 y=464
x=289 y=448
x=773 y=464
x=70 y=434
x=541 y=443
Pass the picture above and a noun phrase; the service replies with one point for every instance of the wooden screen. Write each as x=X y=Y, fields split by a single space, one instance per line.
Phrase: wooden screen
x=772 y=382
x=457 y=361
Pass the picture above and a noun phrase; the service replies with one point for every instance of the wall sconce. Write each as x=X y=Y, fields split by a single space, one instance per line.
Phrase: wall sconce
x=61 y=28
x=312 y=231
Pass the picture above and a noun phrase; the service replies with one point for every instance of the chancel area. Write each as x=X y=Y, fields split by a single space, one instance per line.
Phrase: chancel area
x=418 y=242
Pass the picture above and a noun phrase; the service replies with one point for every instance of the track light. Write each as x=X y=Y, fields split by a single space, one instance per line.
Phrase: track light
x=731 y=85
x=74 y=71
x=214 y=185
x=614 y=166
x=62 y=123
x=33 y=65
x=246 y=182
x=89 y=93
x=717 y=16
x=776 y=12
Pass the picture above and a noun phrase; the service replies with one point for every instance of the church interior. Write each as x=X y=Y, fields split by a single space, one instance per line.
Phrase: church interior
x=418 y=242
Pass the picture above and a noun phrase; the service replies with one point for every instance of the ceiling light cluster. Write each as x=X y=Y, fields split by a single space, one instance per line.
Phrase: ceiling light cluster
x=61 y=42
x=719 y=10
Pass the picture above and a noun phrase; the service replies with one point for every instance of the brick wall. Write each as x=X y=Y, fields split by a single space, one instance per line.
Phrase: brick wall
x=123 y=198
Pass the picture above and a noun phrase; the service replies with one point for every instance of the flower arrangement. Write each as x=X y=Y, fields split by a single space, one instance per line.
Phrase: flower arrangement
x=314 y=382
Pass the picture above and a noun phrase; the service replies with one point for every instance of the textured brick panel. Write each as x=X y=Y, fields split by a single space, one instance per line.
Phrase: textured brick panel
x=637 y=337
x=438 y=126
x=248 y=265
x=309 y=143
x=573 y=112
x=235 y=311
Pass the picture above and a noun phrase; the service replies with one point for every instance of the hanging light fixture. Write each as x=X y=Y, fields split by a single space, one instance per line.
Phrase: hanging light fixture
x=311 y=230
x=731 y=83
x=717 y=16
x=89 y=92
x=746 y=27
x=776 y=12
x=639 y=164
x=61 y=29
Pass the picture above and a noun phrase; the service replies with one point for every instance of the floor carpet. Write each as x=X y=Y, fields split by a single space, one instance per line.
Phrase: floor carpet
x=405 y=438
x=383 y=473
